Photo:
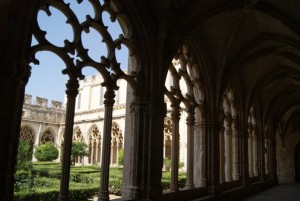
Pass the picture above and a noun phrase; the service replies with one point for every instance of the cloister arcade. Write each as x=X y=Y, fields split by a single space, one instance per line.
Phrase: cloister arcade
x=229 y=70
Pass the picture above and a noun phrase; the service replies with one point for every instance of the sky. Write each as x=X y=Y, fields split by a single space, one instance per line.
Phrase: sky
x=46 y=79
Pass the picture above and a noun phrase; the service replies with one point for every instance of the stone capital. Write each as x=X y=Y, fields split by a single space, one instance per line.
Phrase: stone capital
x=109 y=97
x=72 y=87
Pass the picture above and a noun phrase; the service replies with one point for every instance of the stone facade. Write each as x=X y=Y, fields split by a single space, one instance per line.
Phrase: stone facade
x=38 y=119
x=42 y=123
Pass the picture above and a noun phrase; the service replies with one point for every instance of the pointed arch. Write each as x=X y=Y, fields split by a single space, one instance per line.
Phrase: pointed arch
x=116 y=144
x=229 y=138
x=27 y=134
x=94 y=145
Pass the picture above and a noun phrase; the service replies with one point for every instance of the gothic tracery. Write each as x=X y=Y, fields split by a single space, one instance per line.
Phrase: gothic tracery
x=47 y=136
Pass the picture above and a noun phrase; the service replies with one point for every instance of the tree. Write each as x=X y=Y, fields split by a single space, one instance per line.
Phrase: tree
x=46 y=152
x=24 y=156
x=79 y=149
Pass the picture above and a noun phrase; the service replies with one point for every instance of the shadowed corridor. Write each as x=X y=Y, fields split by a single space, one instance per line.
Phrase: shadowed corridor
x=281 y=192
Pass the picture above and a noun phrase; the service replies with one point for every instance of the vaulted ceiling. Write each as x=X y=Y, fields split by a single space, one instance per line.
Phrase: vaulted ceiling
x=256 y=43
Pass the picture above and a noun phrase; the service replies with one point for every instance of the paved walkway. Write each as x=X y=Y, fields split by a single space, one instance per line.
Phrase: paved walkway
x=281 y=192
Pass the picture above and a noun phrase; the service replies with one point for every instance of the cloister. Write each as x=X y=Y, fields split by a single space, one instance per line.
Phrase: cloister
x=238 y=61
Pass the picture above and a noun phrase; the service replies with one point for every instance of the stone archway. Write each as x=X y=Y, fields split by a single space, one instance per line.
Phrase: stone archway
x=297 y=163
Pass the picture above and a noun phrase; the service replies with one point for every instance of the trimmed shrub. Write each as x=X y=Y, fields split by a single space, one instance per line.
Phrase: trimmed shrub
x=23 y=180
x=77 y=193
x=46 y=152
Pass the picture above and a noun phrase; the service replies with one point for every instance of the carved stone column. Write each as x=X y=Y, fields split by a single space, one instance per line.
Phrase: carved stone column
x=153 y=151
x=104 y=179
x=133 y=150
x=175 y=117
x=200 y=156
x=72 y=91
x=190 y=121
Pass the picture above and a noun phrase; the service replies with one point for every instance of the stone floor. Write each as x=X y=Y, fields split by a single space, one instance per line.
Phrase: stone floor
x=281 y=192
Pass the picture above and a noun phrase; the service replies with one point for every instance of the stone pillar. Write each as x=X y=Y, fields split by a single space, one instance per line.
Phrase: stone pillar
x=153 y=151
x=106 y=146
x=273 y=161
x=16 y=32
x=133 y=150
x=266 y=157
x=250 y=151
x=235 y=151
x=175 y=117
x=228 y=152
x=213 y=132
x=222 y=155
x=200 y=158
x=243 y=151
x=255 y=151
x=190 y=121
x=72 y=91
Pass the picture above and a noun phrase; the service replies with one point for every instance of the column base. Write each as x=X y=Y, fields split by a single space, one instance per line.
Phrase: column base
x=62 y=198
x=214 y=190
x=189 y=185
x=173 y=189
x=103 y=196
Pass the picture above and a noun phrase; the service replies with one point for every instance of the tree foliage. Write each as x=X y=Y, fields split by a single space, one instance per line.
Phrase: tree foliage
x=46 y=152
x=79 y=149
x=121 y=157
x=24 y=156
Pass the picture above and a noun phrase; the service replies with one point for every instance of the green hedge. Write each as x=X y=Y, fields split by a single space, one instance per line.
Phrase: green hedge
x=42 y=184
x=76 y=194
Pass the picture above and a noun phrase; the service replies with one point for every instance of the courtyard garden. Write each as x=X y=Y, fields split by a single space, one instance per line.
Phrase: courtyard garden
x=40 y=181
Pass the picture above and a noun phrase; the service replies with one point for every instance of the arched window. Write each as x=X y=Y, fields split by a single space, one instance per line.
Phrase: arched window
x=228 y=138
x=252 y=144
x=184 y=100
x=116 y=144
x=94 y=145
x=97 y=35
x=26 y=134
x=167 y=138
x=77 y=137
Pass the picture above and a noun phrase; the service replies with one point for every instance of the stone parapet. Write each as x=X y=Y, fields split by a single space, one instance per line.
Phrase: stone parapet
x=39 y=110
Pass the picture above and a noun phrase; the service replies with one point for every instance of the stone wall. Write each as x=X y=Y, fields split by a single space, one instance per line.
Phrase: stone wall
x=286 y=155
x=40 y=111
